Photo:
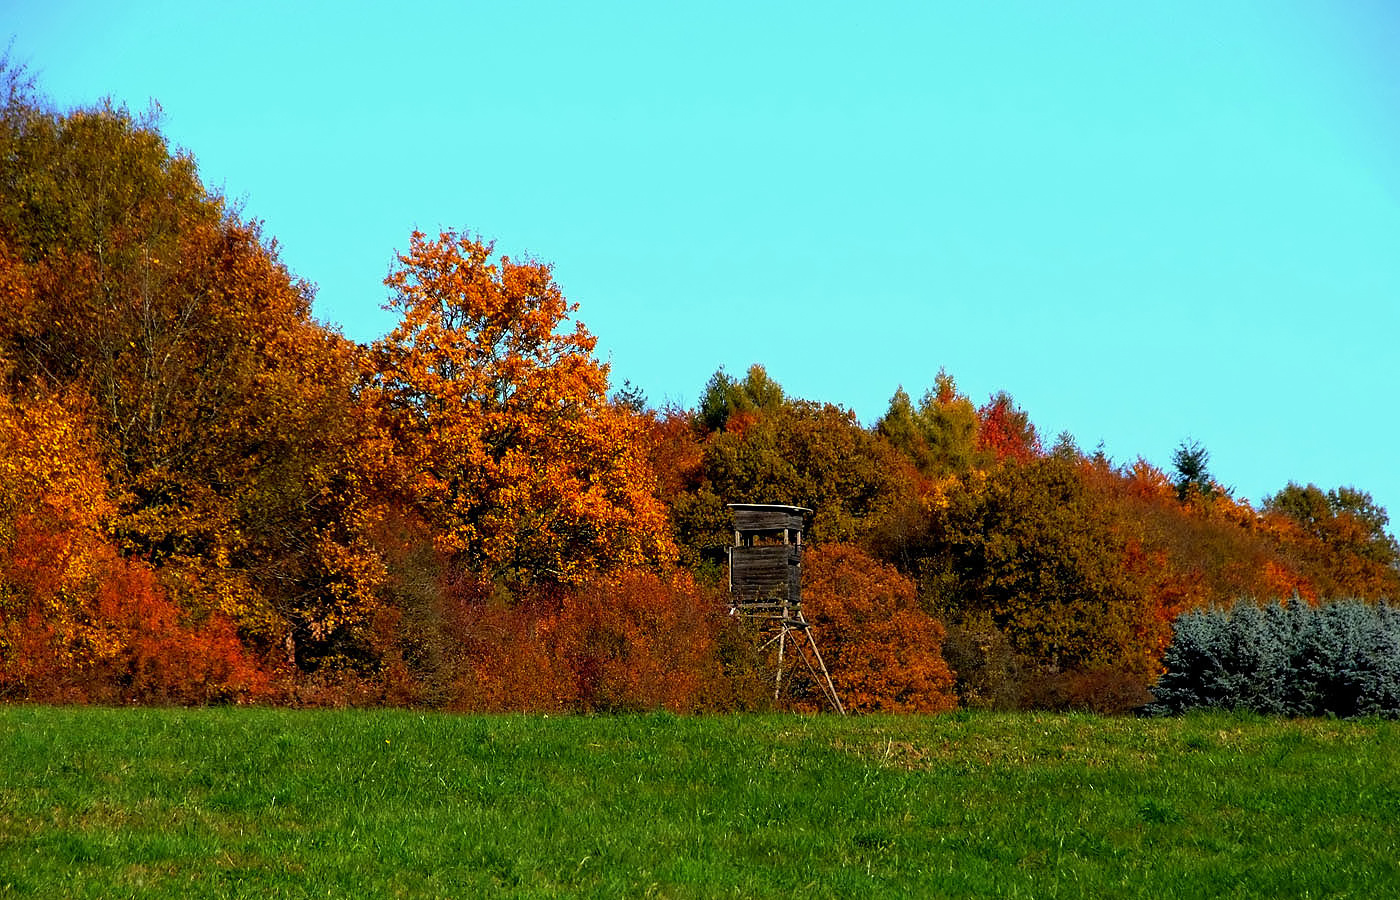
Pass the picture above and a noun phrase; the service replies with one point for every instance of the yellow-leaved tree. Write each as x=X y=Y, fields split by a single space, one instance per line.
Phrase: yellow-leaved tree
x=506 y=441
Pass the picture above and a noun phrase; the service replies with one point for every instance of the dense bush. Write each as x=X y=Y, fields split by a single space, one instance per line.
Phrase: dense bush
x=884 y=652
x=988 y=671
x=991 y=675
x=631 y=640
x=1342 y=658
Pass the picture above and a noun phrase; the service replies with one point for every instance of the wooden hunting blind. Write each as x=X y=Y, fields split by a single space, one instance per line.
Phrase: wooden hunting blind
x=765 y=582
x=765 y=563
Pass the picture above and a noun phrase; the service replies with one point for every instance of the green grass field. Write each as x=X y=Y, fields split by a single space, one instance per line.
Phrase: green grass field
x=275 y=803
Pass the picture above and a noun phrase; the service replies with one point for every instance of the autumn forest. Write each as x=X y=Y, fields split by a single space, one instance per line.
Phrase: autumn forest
x=208 y=496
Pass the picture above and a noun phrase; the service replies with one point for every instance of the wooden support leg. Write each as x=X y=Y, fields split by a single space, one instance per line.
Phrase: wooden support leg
x=778 y=681
x=827 y=686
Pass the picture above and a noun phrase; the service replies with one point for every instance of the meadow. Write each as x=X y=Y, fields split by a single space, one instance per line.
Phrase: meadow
x=256 y=802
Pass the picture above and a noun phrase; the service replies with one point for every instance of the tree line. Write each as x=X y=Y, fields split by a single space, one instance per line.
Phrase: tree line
x=206 y=495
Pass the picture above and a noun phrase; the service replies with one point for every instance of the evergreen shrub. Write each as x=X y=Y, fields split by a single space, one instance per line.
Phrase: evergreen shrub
x=1340 y=658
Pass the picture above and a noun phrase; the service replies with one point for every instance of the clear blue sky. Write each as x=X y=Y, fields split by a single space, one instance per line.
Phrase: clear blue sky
x=1146 y=221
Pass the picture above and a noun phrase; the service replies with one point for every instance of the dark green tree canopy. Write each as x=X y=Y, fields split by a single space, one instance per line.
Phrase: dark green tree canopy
x=1192 y=463
x=1031 y=550
x=725 y=396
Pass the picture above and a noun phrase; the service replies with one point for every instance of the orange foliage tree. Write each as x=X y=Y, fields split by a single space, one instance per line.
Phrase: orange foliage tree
x=675 y=451
x=506 y=440
x=1005 y=430
x=78 y=622
x=883 y=651
x=1209 y=548
x=1339 y=537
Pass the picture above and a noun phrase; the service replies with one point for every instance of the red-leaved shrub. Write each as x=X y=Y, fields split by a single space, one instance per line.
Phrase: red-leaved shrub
x=630 y=640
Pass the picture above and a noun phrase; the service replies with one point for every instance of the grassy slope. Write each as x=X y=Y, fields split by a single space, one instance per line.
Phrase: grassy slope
x=257 y=802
